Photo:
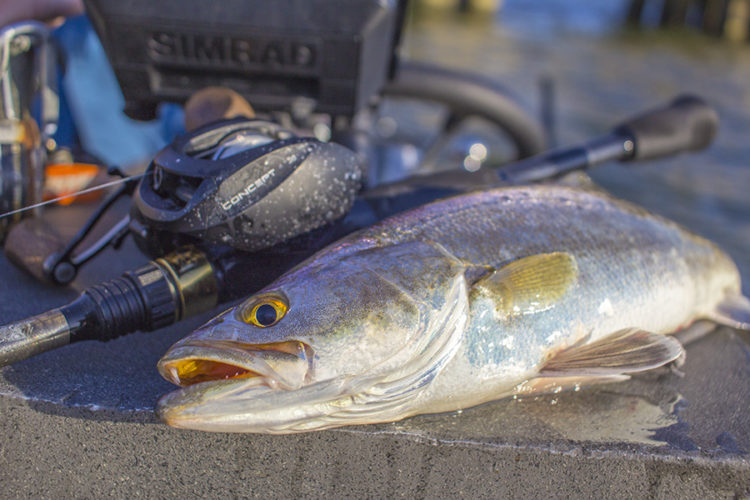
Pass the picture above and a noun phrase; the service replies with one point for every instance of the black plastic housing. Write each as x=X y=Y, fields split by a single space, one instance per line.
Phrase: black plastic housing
x=337 y=52
x=251 y=200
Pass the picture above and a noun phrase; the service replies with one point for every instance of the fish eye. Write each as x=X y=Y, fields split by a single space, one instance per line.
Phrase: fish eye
x=264 y=311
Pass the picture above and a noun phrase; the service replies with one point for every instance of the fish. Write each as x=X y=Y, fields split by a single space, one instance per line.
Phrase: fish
x=478 y=297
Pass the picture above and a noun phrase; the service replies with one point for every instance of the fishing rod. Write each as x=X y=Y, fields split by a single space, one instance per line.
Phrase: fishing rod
x=210 y=233
x=686 y=124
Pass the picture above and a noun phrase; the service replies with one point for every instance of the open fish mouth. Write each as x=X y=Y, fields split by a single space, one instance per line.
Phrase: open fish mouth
x=278 y=365
x=233 y=386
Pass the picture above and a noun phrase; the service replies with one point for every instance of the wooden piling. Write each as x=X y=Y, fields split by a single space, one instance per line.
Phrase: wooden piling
x=714 y=15
x=635 y=12
x=738 y=20
x=674 y=12
x=727 y=18
x=464 y=5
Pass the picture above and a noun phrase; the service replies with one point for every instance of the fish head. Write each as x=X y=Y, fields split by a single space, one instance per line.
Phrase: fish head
x=280 y=358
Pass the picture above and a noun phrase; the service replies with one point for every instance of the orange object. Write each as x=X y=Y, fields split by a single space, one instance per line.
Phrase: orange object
x=63 y=179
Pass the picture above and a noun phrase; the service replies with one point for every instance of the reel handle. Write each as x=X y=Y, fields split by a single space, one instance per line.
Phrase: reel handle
x=688 y=123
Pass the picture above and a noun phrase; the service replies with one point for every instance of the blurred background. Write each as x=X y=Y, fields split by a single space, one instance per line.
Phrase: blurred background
x=604 y=61
x=581 y=66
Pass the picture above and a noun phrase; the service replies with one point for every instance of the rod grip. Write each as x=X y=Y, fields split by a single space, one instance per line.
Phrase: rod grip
x=688 y=123
x=32 y=336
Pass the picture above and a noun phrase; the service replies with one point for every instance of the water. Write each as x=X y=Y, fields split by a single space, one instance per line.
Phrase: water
x=549 y=18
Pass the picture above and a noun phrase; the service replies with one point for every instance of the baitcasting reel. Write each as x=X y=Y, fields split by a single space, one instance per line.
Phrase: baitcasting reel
x=244 y=183
x=247 y=184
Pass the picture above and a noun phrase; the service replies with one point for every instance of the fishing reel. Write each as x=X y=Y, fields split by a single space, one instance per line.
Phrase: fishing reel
x=245 y=184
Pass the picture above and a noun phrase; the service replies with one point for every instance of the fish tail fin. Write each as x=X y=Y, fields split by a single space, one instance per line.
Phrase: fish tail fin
x=733 y=311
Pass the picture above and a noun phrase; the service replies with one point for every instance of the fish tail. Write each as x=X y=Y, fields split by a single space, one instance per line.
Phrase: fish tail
x=733 y=311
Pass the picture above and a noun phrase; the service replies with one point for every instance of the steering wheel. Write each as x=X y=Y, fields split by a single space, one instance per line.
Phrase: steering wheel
x=432 y=118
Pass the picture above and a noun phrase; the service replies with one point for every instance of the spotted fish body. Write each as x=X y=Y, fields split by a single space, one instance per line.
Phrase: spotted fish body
x=462 y=301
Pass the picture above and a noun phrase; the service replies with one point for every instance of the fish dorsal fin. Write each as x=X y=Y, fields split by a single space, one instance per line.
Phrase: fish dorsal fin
x=627 y=351
x=530 y=284
x=733 y=311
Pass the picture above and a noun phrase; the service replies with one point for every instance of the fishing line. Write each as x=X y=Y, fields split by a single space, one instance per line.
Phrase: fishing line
x=84 y=191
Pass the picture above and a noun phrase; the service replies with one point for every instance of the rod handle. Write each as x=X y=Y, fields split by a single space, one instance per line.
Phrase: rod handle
x=32 y=336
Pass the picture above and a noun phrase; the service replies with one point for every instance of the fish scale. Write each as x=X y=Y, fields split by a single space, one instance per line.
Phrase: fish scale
x=623 y=252
x=638 y=263
x=463 y=301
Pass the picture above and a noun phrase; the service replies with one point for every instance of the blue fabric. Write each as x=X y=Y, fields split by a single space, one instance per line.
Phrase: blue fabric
x=95 y=103
x=66 y=130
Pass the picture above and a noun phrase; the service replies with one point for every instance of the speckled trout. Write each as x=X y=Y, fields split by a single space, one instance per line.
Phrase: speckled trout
x=463 y=301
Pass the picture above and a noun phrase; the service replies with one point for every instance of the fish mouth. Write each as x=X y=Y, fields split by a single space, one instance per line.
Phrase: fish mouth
x=278 y=365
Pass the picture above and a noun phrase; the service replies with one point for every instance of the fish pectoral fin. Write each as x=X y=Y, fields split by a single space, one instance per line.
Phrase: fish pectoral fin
x=627 y=351
x=733 y=311
x=530 y=284
x=611 y=359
